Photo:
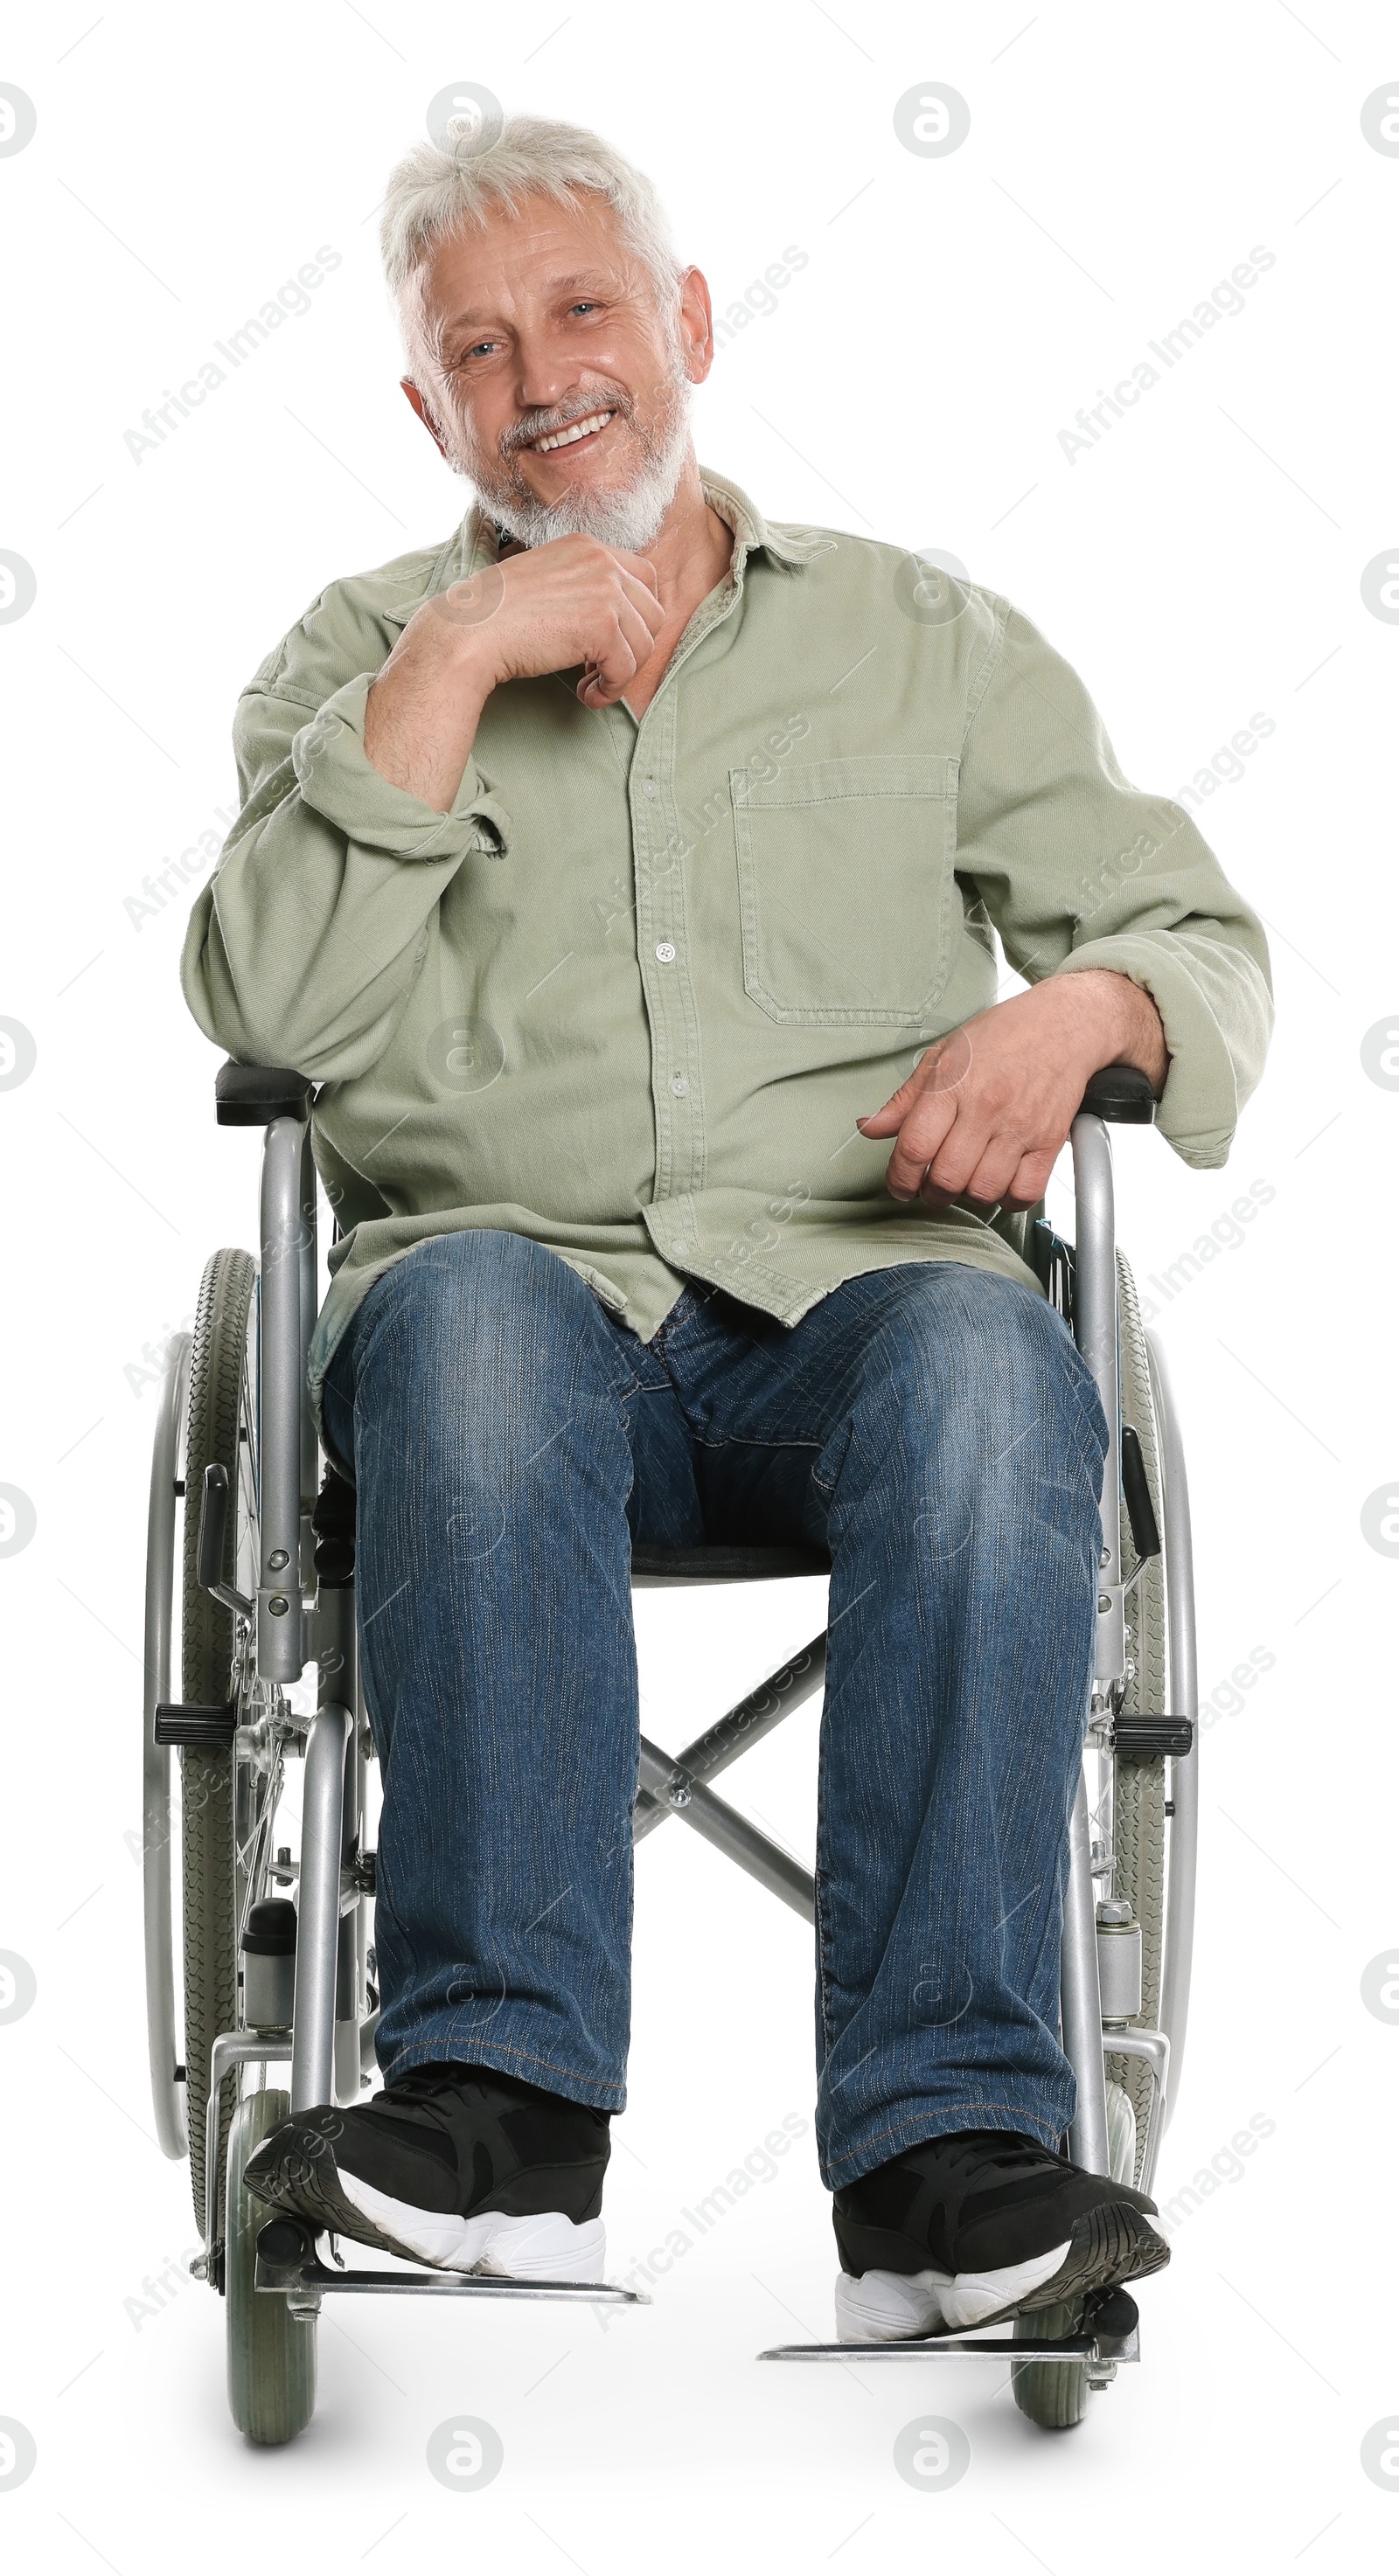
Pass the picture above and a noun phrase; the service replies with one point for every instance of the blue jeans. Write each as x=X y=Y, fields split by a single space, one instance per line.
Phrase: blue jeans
x=934 y=1427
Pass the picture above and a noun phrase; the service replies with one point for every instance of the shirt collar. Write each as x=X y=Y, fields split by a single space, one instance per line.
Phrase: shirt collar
x=476 y=543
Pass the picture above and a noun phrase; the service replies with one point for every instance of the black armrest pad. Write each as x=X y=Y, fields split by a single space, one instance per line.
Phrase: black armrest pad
x=1122 y=1094
x=252 y=1095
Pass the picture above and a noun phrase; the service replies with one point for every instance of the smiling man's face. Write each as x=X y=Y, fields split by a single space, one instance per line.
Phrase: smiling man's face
x=561 y=384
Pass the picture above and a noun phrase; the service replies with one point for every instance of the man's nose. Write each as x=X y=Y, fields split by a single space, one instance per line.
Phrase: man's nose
x=544 y=378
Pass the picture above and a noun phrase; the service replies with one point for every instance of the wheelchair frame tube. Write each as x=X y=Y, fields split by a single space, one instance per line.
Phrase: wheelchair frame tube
x=1185 y=1775
x=306 y=1300
x=1080 y=2002
x=747 y=1722
x=280 y=1632
x=720 y=1824
x=318 y=1908
x=166 y=2094
x=1095 y=1331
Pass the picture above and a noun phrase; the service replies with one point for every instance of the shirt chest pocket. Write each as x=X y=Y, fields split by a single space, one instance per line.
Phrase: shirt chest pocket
x=846 y=887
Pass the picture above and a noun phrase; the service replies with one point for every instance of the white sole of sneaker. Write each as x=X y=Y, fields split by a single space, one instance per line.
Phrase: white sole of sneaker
x=892 y=2307
x=546 y=2248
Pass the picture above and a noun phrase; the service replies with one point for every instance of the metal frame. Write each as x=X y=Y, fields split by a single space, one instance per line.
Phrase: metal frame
x=331 y=2036
x=287 y=1289
x=1096 y=2346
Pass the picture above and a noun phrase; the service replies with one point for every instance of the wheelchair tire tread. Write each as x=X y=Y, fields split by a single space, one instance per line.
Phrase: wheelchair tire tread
x=1139 y=1788
x=217 y=1365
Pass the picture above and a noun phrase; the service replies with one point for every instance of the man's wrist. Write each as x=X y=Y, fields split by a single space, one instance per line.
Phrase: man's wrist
x=472 y=663
x=1123 y=1023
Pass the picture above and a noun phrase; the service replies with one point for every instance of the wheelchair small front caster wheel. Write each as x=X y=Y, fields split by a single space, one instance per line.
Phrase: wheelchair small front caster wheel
x=271 y=2344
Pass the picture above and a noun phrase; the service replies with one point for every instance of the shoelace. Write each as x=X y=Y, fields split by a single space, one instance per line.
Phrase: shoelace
x=419 y=2089
x=999 y=2149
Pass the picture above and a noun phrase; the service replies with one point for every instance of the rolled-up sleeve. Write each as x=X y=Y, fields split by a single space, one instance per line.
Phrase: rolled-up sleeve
x=1078 y=869
x=305 y=947
x=338 y=780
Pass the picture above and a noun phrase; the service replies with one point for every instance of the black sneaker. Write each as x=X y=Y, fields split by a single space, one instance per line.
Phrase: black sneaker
x=967 y=2230
x=459 y=2166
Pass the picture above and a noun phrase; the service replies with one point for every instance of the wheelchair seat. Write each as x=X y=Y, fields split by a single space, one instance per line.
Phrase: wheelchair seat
x=657 y=1565
x=333 y=1523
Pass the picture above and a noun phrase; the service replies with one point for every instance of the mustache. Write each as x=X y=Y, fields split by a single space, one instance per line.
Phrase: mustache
x=544 y=423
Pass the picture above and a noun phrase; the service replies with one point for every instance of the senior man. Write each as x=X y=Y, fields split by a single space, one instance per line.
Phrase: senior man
x=608 y=866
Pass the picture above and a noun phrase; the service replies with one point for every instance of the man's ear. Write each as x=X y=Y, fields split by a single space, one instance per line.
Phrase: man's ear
x=696 y=325
x=424 y=415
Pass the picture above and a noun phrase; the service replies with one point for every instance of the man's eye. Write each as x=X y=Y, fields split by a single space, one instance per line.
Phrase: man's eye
x=584 y=305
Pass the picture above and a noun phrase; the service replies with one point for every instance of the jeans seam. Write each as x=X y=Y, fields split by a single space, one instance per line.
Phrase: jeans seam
x=423 y=2053
x=953 y=2110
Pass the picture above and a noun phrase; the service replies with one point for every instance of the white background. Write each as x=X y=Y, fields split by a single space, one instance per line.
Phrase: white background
x=1201 y=563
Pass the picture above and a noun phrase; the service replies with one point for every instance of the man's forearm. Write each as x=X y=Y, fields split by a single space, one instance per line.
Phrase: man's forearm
x=421 y=716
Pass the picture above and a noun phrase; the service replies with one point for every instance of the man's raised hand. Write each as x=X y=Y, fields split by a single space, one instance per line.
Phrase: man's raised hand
x=538 y=611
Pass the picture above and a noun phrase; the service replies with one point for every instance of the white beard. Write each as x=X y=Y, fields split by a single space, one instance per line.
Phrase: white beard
x=629 y=519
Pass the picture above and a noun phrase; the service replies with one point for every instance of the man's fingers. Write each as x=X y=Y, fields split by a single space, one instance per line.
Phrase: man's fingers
x=888 y=1120
x=618 y=660
x=922 y=1135
x=1004 y=1176
x=643 y=607
x=639 y=567
x=640 y=583
x=635 y=618
x=643 y=604
x=938 y=1074
x=1030 y=1183
x=635 y=634
x=948 y=1170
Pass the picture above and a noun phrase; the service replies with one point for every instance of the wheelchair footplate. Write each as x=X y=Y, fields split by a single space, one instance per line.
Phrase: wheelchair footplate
x=287 y=2260
x=1109 y=2334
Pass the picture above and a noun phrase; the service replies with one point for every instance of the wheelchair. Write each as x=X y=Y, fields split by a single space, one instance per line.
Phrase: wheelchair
x=250 y=1581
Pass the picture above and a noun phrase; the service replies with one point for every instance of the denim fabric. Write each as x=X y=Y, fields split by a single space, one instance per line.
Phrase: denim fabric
x=934 y=1426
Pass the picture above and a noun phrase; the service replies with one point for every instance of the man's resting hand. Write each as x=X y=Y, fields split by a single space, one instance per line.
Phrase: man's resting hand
x=985 y=1113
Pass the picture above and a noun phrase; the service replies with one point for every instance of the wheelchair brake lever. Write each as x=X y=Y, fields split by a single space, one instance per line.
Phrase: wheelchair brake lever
x=213 y=1529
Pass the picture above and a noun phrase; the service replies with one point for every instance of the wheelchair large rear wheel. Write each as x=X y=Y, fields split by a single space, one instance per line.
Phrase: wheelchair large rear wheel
x=221 y=1427
x=271 y=2353
x=1139 y=1801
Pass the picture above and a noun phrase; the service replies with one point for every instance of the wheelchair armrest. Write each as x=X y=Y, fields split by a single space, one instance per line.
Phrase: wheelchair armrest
x=1122 y=1094
x=252 y=1095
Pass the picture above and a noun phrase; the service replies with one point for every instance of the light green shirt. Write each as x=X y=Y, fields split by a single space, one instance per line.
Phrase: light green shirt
x=629 y=995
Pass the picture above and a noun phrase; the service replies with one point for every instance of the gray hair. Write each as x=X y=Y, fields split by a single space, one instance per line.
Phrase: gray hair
x=433 y=193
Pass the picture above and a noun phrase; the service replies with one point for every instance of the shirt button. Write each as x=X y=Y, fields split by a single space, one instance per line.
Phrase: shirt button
x=680 y=1086
x=681 y=1247
x=650 y=785
x=665 y=951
